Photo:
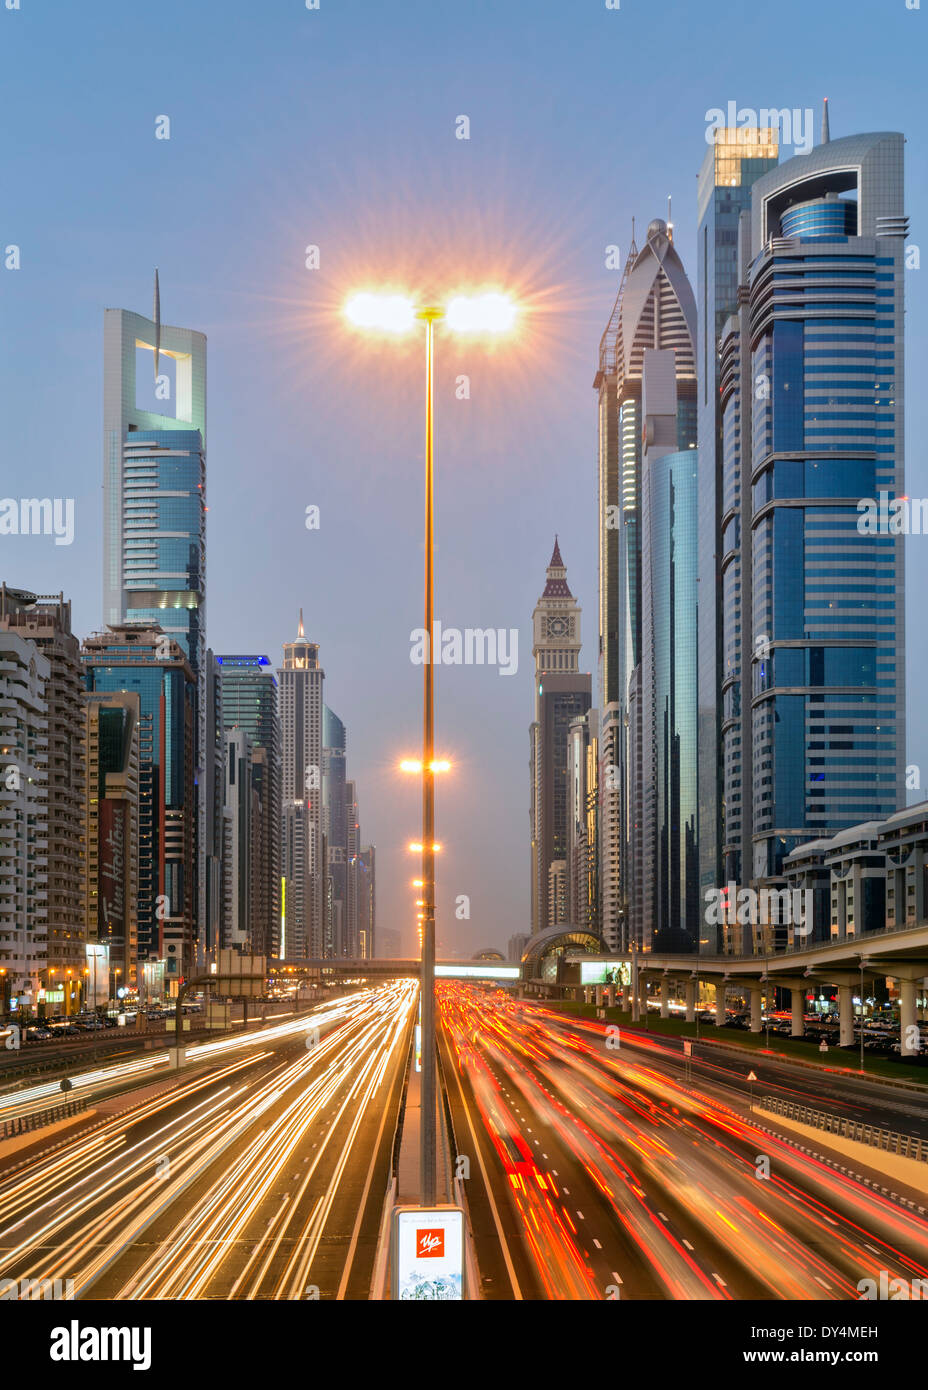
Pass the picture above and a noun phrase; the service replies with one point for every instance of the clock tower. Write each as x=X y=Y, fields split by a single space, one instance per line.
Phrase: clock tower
x=562 y=693
x=556 y=622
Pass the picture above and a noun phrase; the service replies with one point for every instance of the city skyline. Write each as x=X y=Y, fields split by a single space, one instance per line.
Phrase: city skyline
x=277 y=351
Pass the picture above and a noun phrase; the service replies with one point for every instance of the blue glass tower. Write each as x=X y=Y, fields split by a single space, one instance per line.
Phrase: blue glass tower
x=821 y=335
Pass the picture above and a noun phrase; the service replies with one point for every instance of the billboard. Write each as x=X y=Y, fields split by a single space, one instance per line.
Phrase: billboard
x=427 y=1253
x=605 y=972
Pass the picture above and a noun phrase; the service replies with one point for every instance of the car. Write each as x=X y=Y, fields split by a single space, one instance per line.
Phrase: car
x=36 y=1033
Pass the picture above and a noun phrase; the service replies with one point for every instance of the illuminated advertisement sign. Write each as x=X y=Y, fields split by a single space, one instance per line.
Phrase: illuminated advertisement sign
x=605 y=972
x=427 y=1253
x=477 y=972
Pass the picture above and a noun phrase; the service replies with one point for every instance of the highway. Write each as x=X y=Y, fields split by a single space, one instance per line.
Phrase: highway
x=602 y=1173
x=257 y=1172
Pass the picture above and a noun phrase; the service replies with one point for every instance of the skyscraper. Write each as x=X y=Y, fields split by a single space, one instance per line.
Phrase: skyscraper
x=301 y=705
x=24 y=818
x=46 y=621
x=335 y=824
x=733 y=163
x=250 y=703
x=154 y=506
x=561 y=693
x=150 y=663
x=666 y=892
x=654 y=308
x=111 y=862
x=813 y=367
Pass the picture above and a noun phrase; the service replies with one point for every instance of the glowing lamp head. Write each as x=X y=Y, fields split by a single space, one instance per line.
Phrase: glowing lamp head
x=481 y=313
x=380 y=313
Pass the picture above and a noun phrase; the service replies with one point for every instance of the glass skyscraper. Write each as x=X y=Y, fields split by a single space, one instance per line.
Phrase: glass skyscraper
x=737 y=157
x=812 y=393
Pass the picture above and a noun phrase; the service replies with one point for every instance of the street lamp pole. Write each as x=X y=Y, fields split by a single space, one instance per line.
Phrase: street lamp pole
x=427 y=1154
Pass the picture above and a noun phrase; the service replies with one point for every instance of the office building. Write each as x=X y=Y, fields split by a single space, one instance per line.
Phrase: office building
x=154 y=514
x=666 y=891
x=561 y=693
x=149 y=663
x=301 y=704
x=733 y=163
x=46 y=622
x=812 y=396
x=654 y=309
x=111 y=859
x=250 y=704
x=24 y=743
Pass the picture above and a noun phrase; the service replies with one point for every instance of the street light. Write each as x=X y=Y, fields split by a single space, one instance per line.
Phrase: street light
x=489 y=312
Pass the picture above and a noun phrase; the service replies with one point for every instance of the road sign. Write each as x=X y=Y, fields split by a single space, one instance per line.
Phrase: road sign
x=687 y=1048
x=823 y=1046
x=427 y=1253
x=751 y=1076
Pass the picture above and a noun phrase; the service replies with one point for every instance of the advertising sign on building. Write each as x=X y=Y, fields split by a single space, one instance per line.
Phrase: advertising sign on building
x=427 y=1253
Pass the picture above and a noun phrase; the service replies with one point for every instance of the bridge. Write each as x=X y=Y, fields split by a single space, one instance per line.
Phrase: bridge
x=899 y=954
x=362 y=967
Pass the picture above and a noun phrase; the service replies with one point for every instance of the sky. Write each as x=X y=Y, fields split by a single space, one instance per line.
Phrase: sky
x=338 y=128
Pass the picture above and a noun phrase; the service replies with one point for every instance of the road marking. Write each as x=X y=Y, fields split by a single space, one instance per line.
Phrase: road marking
x=597 y=1244
x=662 y=1216
x=617 y=1277
x=823 y=1284
x=687 y=1244
x=581 y=1216
x=718 y=1278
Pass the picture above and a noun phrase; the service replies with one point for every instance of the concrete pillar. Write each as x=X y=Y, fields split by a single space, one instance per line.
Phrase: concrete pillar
x=720 y=1016
x=798 y=997
x=610 y=996
x=907 y=1019
x=845 y=1015
x=757 y=1023
x=665 y=996
x=599 y=996
x=691 y=1001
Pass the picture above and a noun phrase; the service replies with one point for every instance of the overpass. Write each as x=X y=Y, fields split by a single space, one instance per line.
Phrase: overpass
x=360 y=967
x=900 y=954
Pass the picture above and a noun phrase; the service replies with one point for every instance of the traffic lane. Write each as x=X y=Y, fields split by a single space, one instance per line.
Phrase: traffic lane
x=272 y=1218
x=858 y=1099
x=832 y=1216
x=823 y=1245
x=507 y=1271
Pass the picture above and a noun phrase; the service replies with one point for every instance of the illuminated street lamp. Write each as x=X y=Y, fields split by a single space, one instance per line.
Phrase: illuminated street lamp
x=487 y=313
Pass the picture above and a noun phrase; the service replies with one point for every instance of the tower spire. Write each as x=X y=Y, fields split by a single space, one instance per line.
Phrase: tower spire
x=301 y=633
x=156 y=319
x=826 y=130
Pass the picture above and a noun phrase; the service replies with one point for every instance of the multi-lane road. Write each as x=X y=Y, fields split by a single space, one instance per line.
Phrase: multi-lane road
x=599 y=1171
x=257 y=1172
x=596 y=1167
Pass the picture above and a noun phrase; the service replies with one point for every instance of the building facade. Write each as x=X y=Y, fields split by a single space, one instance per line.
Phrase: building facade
x=812 y=397
x=149 y=663
x=24 y=673
x=562 y=692
x=46 y=621
x=250 y=704
x=301 y=705
x=111 y=859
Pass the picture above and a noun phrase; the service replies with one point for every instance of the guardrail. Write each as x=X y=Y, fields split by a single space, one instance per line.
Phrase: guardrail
x=39 y=1118
x=889 y=1140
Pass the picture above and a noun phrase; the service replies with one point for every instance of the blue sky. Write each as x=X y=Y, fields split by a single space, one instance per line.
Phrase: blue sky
x=336 y=128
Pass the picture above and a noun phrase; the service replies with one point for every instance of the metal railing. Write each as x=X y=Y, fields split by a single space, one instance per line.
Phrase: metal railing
x=889 y=1140
x=23 y=1124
